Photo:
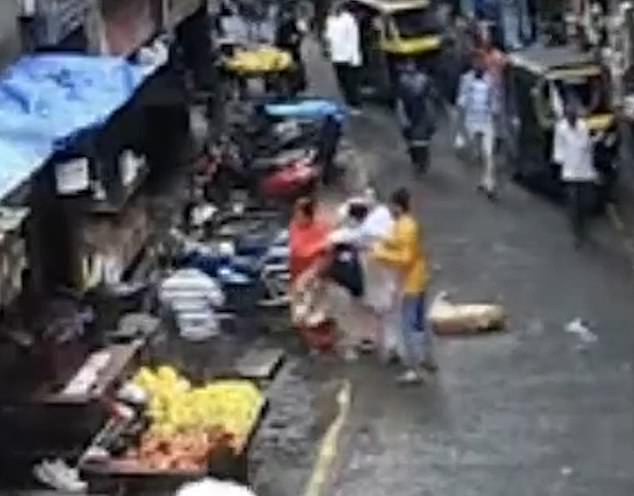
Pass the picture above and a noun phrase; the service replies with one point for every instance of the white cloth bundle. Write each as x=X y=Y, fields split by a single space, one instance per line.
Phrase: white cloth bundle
x=447 y=318
x=213 y=487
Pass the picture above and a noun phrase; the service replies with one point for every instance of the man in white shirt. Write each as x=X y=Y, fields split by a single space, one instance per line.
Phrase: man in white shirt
x=477 y=105
x=573 y=151
x=344 y=46
x=364 y=221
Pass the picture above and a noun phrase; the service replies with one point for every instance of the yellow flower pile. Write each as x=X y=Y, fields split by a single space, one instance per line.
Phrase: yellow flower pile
x=177 y=407
x=262 y=60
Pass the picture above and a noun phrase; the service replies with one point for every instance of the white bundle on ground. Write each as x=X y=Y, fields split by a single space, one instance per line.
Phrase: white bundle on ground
x=192 y=296
x=213 y=487
x=447 y=318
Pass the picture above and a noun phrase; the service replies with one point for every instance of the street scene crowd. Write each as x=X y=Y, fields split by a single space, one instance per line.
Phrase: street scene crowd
x=317 y=174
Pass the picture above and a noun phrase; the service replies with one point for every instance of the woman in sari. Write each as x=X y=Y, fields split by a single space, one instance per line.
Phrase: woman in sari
x=309 y=241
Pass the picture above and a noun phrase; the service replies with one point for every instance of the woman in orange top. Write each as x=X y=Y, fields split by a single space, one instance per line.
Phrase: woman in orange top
x=308 y=259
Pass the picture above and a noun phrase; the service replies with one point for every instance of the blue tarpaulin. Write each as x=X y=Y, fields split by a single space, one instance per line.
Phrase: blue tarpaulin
x=47 y=98
x=309 y=108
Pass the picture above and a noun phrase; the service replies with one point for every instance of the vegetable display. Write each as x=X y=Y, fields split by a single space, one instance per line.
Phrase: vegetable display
x=189 y=424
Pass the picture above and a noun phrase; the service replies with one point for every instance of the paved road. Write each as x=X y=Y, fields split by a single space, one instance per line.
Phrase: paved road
x=529 y=412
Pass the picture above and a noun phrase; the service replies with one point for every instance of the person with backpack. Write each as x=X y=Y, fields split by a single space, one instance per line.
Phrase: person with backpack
x=289 y=36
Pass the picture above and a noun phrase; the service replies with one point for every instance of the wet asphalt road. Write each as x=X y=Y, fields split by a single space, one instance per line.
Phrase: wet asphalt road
x=532 y=411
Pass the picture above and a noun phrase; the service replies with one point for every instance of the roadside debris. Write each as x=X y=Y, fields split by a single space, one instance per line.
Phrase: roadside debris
x=582 y=330
x=448 y=318
x=566 y=471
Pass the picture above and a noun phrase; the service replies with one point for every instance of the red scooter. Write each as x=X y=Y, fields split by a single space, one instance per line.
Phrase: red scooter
x=285 y=176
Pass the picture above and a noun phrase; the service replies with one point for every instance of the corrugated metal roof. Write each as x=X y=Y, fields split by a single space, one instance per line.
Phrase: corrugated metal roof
x=544 y=59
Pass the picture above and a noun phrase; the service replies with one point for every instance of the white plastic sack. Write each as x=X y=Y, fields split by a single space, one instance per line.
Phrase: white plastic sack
x=447 y=318
x=459 y=141
x=213 y=487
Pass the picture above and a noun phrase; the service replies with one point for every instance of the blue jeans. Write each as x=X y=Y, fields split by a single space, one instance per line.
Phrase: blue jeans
x=414 y=329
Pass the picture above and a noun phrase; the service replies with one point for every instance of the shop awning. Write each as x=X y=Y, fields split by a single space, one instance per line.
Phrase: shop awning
x=45 y=99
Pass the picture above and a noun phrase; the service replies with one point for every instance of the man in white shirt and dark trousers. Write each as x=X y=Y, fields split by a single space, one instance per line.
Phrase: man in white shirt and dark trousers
x=344 y=46
x=477 y=105
x=573 y=151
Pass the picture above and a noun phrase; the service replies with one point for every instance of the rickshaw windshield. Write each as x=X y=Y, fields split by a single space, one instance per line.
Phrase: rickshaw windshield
x=588 y=93
x=415 y=23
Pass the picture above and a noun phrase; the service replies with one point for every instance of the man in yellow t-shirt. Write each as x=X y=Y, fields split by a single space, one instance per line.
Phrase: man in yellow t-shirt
x=403 y=251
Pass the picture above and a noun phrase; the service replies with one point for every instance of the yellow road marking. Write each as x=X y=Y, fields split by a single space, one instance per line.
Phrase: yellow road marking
x=330 y=444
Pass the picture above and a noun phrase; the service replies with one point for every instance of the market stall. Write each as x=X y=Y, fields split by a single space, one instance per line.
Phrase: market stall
x=180 y=432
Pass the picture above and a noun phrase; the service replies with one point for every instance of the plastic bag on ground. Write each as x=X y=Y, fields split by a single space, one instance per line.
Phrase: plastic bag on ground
x=213 y=487
x=447 y=318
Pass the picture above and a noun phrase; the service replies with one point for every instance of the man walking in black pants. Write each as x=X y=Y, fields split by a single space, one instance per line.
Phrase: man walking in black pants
x=289 y=36
x=344 y=46
x=415 y=105
x=573 y=151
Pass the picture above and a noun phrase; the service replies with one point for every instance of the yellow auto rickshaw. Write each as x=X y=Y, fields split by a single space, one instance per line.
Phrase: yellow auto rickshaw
x=392 y=30
x=539 y=83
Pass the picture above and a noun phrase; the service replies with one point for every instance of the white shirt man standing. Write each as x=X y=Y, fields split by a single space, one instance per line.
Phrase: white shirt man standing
x=477 y=104
x=344 y=46
x=573 y=151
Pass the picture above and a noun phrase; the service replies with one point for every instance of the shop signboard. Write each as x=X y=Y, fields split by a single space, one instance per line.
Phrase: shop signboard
x=128 y=25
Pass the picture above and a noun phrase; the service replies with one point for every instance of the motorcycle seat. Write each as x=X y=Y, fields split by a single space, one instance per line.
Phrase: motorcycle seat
x=280 y=160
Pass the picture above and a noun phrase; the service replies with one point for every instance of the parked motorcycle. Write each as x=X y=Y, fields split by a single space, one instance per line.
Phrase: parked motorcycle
x=271 y=126
x=252 y=270
x=284 y=175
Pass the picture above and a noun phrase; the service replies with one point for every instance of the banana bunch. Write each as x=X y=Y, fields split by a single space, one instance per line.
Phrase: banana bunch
x=176 y=407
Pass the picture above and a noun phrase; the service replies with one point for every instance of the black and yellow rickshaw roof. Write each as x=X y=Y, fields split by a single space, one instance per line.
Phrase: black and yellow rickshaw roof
x=394 y=6
x=558 y=63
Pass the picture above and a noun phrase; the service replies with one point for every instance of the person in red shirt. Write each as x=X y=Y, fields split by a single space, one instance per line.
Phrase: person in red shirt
x=309 y=248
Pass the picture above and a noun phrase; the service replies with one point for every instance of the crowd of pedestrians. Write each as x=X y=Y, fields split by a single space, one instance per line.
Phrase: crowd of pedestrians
x=359 y=281
x=372 y=300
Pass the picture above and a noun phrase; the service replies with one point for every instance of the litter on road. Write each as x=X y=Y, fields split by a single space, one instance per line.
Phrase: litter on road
x=582 y=331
